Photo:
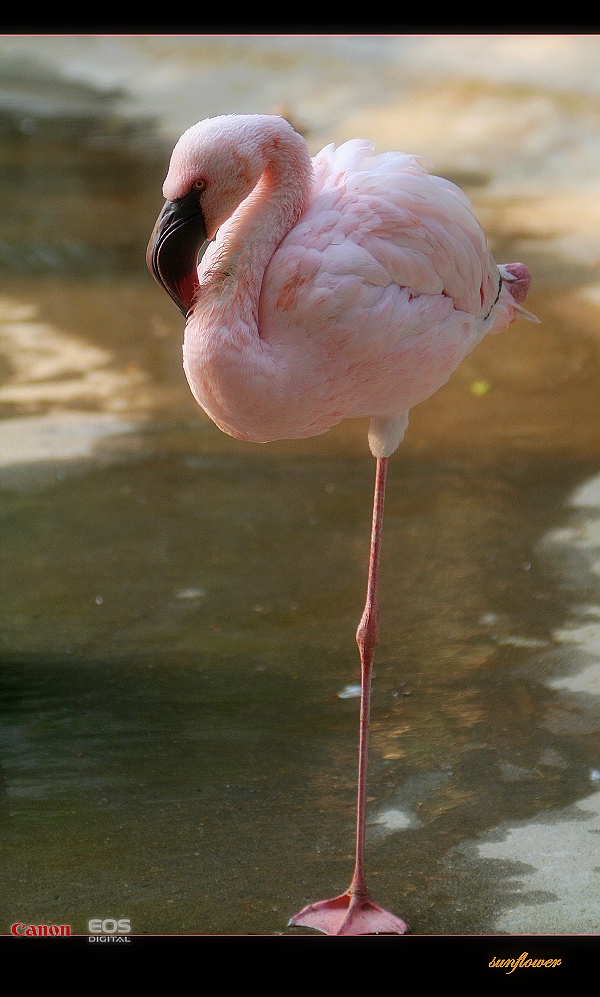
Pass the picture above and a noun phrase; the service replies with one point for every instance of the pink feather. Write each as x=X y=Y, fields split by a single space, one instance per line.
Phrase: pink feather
x=352 y=285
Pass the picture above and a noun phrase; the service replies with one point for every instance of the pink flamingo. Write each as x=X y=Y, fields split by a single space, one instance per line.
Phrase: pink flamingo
x=350 y=285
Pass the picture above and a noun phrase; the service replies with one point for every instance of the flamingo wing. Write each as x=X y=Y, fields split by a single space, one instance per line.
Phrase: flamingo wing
x=382 y=286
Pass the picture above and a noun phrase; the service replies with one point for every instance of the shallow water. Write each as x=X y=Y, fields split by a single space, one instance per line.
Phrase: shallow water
x=178 y=628
x=179 y=608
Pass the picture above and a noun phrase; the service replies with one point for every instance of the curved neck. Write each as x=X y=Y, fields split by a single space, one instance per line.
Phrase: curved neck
x=249 y=238
x=228 y=367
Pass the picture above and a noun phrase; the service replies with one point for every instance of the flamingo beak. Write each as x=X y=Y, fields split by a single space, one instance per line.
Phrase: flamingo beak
x=172 y=254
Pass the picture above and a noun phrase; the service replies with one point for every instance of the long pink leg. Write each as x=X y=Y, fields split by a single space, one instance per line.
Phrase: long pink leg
x=354 y=913
x=367 y=637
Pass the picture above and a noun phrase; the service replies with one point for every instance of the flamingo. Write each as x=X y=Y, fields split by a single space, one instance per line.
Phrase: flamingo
x=349 y=285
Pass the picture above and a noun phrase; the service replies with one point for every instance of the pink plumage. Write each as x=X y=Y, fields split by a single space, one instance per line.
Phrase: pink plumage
x=345 y=286
x=349 y=286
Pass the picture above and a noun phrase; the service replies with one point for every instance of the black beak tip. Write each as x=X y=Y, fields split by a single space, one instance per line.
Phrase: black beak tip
x=172 y=252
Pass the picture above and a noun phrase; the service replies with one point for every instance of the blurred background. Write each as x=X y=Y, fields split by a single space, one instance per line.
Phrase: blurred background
x=177 y=661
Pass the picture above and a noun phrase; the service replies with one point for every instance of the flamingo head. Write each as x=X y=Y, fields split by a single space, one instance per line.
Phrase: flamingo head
x=214 y=166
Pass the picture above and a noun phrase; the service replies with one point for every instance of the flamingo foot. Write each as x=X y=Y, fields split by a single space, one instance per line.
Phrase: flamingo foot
x=349 y=915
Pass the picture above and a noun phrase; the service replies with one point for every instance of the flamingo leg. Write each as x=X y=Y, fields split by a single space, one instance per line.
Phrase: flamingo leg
x=353 y=912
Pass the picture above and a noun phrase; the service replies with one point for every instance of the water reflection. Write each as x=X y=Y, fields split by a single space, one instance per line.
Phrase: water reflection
x=177 y=650
x=71 y=173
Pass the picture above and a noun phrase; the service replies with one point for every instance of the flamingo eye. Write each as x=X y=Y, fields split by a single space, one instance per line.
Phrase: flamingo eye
x=199 y=184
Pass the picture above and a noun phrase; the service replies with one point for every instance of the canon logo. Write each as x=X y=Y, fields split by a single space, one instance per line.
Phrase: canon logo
x=40 y=930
